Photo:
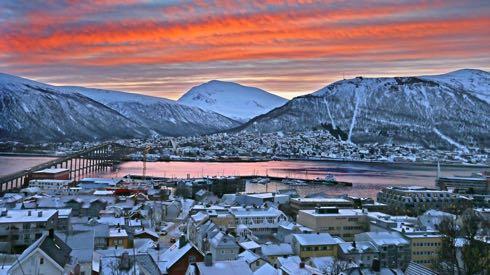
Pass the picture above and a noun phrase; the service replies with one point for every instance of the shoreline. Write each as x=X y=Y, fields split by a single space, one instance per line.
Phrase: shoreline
x=375 y=162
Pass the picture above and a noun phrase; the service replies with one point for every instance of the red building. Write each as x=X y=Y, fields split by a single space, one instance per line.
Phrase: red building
x=51 y=174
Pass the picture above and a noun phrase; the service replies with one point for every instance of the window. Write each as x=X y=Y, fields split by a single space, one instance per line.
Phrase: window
x=192 y=259
x=41 y=261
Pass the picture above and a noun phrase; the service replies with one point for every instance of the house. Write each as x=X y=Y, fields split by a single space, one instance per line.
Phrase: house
x=224 y=247
x=118 y=238
x=394 y=250
x=177 y=258
x=253 y=260
x=127 y=263
x=145 y=233
x=82 y=248
x=251 y=246
x=48 y=255
x=209 y=267
x=271 y=252
x=314 y=245
x=295 y=266
x=361 y=253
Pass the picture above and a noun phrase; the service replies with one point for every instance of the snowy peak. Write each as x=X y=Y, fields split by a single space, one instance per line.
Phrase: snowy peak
x=471 y=80
x=231 y=99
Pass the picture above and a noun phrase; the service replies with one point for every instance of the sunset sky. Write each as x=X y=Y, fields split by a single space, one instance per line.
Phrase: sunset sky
x=290 y=48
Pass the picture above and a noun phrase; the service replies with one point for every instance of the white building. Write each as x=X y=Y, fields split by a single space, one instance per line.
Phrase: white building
x=261 y=221
x=51 y=185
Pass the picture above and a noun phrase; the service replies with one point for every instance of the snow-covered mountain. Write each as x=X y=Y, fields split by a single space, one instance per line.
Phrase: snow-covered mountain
x=231 y=99
x=162 y=116
x=33 y=111
x=441 y=111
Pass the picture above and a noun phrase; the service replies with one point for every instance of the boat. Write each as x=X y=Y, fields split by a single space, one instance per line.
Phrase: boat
x=329 y=179
x=294 y=182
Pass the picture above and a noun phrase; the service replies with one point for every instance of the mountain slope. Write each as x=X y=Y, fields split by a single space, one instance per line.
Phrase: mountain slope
x=474 y=81
x=162 y=116
x=231 y=99
x=402 y=110
x=36 y=112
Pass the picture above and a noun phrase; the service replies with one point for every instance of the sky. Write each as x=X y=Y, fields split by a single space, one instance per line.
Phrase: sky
x=290 y=48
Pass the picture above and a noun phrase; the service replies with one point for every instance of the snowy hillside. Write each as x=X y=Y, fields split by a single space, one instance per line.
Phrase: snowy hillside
x=36 y=112
x=231 y=99
x=401 y=110
x=33 y=111
x=475 y=81
x=162 y=116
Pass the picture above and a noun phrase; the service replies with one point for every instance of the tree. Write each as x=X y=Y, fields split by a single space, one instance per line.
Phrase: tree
x=447 y=262
x=474 y=252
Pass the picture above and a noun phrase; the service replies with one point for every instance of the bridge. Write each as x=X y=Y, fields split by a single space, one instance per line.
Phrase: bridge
x=97 y=158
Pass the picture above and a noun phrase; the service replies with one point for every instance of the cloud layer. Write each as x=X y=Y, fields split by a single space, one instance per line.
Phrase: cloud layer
x=288 y=47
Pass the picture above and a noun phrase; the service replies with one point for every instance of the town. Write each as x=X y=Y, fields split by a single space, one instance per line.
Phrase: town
x=246 y=146
x=149 y=225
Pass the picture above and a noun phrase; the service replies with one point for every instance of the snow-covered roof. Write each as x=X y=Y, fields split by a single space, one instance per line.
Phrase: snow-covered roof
x=314 y=239
x=249 y=245
x=225 y=267
x=385 y=238
x=51 y=171
x=26 y=215
x=117 y=233
x=277 y=249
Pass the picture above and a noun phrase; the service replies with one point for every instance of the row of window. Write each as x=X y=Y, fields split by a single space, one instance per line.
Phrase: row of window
x=426 y=244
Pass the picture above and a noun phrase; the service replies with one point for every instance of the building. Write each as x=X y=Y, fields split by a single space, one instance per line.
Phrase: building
x=118 y=238
x=344 y=223
x=51 y=174
x=20 y=228
x=394 y=249
x=209 y=267
x=418 y=199
x=361 y=253
x=311 y=203
x=178 y=257
x=314 y=245
x=224 y=247
x=475 y=184
x=51 y=186
x=261 y=221
x=97 y=183
x=48 y=255
x=259 y=199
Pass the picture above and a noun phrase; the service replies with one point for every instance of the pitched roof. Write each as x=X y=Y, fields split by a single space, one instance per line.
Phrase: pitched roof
x=54 y=247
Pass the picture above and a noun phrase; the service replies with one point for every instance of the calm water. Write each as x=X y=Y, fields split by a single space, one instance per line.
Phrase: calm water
x=367 y=178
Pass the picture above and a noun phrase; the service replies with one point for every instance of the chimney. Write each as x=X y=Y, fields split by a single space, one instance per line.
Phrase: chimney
x=354 y=244
x=182 y=241
x=301 y=265
x=158 y=246
x=40 y=213
x=51 y=233
x=208 y=259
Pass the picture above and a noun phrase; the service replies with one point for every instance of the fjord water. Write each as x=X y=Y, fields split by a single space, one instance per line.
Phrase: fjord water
x=367 y=178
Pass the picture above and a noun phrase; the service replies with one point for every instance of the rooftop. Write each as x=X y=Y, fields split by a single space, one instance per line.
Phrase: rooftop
x=25 y=215
x=314 y=239
x=52 y=171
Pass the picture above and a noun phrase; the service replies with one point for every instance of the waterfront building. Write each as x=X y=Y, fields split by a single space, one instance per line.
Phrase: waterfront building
x=51 y=174
x=417 y=198
x=344 y=223
x=474 y=184
x=50 y=185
